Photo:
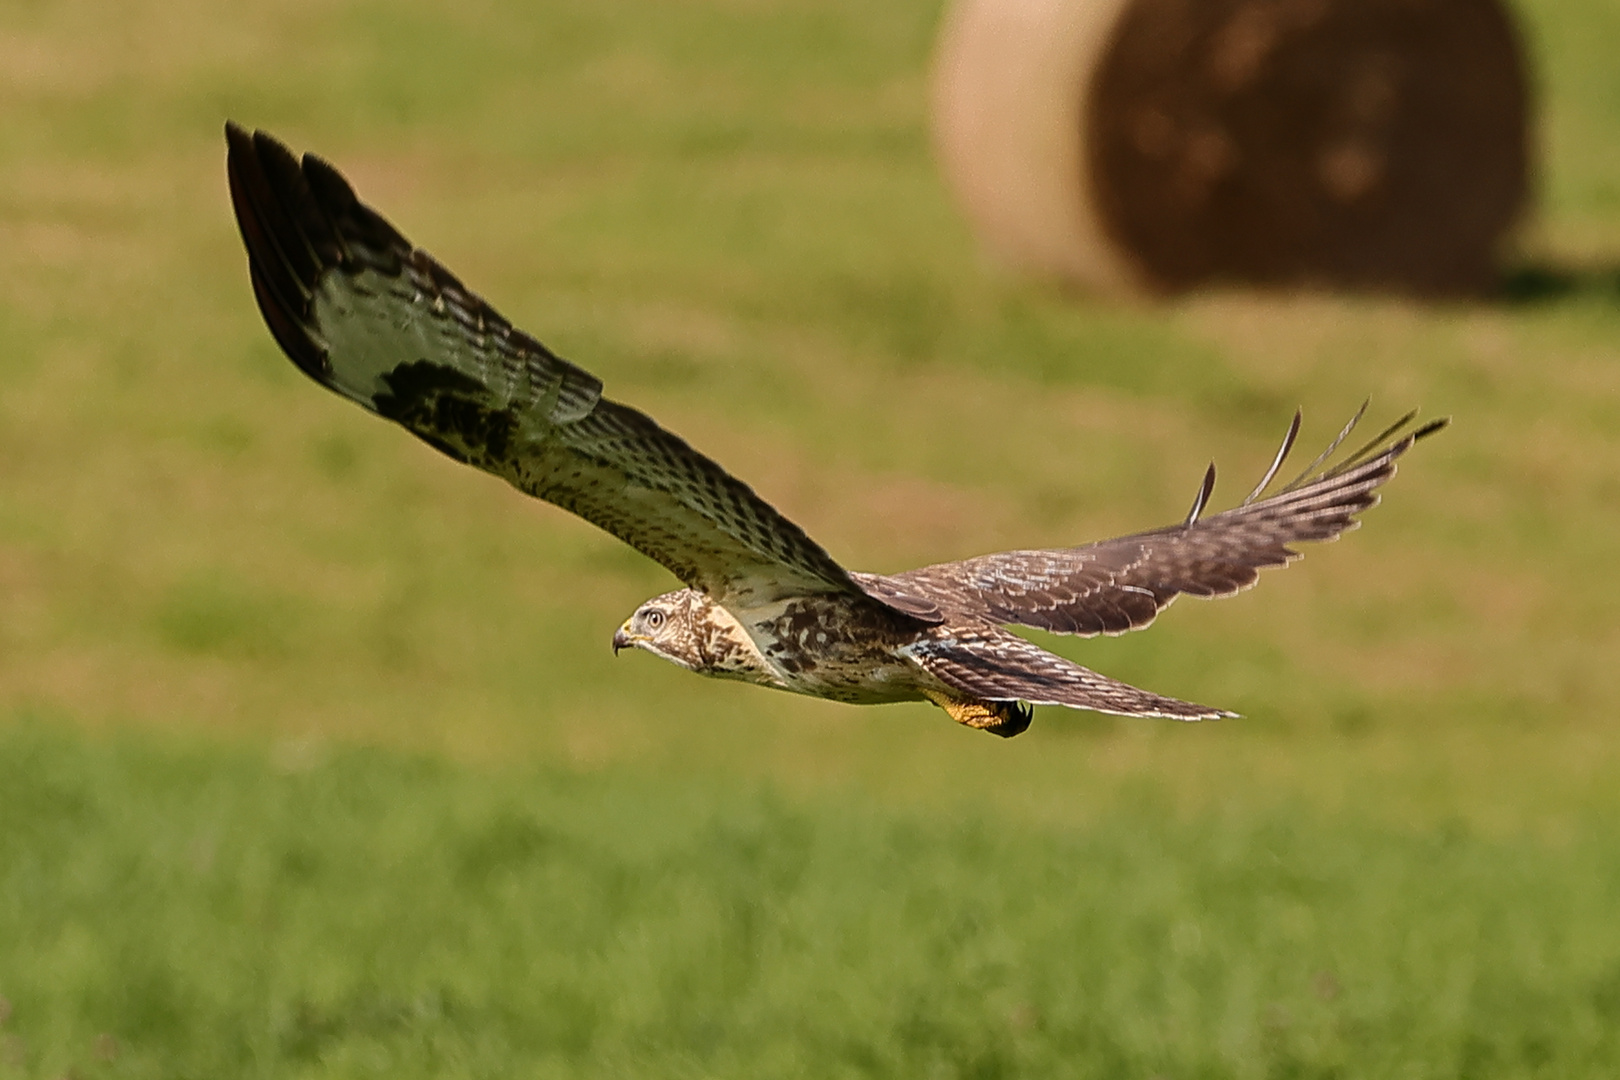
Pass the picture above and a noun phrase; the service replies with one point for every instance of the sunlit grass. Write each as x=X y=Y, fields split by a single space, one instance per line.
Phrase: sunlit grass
x=203 y=914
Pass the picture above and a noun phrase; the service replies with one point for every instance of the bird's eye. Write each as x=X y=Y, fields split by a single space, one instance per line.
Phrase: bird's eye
x=655 y=619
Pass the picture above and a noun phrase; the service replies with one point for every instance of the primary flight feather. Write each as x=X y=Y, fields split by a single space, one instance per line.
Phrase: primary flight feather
x=366 y=314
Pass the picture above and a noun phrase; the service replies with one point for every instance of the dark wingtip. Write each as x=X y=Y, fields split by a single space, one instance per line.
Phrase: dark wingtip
x=1405 y=442
x=1431 y=427
x=1201 y=500
x=261 y=172
x=1281 y=456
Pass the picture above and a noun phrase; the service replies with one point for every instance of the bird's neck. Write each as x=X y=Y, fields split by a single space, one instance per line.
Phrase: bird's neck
x=725 y=649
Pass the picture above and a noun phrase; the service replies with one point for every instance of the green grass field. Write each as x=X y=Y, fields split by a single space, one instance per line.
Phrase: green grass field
x=314 y=760
x=371 y=915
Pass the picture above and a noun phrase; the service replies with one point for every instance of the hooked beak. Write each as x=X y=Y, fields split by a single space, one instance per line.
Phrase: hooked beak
x=622 y=639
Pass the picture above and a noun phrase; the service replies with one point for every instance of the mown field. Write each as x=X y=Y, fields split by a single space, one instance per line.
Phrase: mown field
x=314 y=760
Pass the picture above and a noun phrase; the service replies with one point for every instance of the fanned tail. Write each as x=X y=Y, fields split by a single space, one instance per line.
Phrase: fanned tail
x=992 y=665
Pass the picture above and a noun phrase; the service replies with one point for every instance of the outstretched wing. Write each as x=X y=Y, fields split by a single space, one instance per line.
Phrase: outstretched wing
x=1122 y=584
x=987 y=662
x=364 y=313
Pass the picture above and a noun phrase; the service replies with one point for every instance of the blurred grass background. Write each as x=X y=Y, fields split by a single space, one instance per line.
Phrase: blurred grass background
x=315 y=760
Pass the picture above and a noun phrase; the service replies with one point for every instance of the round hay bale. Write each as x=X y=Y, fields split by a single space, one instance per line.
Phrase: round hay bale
x=1153 y=145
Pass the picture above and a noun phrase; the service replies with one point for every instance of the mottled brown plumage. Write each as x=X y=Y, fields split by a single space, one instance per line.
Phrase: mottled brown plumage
x=366 y=314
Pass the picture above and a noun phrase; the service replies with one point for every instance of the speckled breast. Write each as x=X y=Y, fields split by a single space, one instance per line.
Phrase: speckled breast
x=831 y=648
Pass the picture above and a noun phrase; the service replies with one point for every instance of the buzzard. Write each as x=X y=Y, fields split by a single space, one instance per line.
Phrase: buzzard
x=363 y=312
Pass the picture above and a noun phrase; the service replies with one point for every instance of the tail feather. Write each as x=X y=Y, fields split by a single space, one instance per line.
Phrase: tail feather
x=993 y=665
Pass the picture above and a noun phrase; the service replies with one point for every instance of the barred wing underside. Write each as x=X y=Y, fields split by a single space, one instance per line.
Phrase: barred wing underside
x=366 y=314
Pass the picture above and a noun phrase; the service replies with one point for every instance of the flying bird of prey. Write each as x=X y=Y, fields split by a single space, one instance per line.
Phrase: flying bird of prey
x=366 y=314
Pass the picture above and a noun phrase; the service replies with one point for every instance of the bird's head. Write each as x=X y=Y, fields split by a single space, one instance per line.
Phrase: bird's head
x=664 y=627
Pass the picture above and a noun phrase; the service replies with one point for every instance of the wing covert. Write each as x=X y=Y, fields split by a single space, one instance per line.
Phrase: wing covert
x=1122 y=584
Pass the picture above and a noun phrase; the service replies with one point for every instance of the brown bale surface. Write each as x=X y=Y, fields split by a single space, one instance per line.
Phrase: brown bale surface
x=1357 y=143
